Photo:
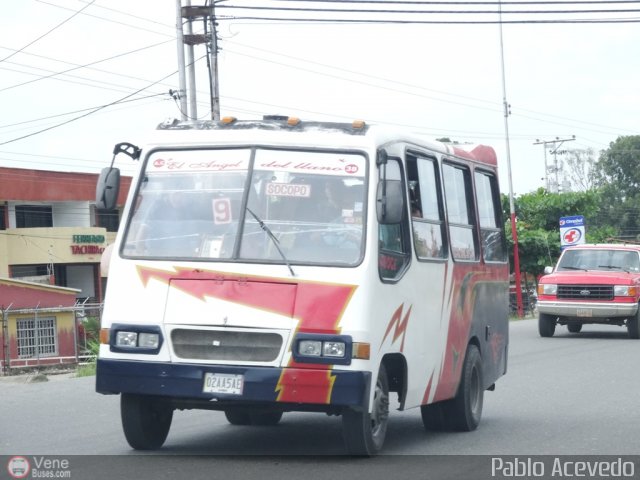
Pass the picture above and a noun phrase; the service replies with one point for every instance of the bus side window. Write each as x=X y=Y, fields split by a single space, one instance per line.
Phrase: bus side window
x=460 y=212
x=393 y=240
x=489 y=216
x=427 y=212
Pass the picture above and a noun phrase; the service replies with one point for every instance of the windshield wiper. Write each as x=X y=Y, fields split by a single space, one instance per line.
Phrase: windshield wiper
x=569 y=267
x=273 y=238
x=617 y=267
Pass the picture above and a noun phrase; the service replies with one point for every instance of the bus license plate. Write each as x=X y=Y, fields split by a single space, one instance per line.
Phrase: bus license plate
x=584 y=312
x=223 y=383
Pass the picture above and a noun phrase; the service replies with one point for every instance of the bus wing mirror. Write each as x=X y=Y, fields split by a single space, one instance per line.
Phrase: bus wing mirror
x=108 y=188
x=389 y=202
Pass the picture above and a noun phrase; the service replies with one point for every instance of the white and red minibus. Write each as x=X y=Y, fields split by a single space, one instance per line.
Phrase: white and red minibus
x=279 y=265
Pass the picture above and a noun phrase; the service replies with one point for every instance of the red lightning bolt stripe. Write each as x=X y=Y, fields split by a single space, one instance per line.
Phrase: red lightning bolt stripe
x=401 y=326
x=317 y=306
x=310 y=383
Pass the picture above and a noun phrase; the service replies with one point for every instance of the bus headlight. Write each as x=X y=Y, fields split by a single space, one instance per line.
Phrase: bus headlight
x=318 y=348
x=333 y=349
x=310 y=348
x=126 y=339
x=135 y=338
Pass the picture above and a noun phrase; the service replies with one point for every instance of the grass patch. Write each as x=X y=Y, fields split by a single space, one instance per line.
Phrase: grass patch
x=87 y=370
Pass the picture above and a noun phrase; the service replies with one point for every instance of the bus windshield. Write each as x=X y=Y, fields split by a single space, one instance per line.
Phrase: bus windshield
x=254 y=205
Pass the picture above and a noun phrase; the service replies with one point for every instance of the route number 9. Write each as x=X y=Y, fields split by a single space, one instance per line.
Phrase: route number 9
x=221 y=211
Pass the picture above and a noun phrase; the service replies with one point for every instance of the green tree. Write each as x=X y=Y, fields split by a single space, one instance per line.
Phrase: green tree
x=538 y=214
x=581 y=170
x=618 y=166
x=620 y=178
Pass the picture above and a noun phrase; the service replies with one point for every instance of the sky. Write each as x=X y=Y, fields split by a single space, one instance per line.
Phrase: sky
x=442 y=80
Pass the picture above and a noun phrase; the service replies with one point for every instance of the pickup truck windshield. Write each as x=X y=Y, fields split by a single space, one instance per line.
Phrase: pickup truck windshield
x=600 y=259
x=196 y=204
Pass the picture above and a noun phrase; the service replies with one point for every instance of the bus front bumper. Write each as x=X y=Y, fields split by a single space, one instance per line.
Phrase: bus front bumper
x=260 y=384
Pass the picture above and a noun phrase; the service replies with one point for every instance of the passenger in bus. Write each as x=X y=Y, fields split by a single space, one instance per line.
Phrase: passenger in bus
x=331 y=208
x=414 y=199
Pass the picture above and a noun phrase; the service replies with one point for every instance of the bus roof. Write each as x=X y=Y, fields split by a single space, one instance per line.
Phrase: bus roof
x=277 y=130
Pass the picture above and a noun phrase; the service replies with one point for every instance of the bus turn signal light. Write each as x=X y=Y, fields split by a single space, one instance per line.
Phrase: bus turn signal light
x=104 y=336
x=361 y=350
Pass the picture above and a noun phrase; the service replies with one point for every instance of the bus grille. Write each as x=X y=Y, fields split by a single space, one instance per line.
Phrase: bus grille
x=224 y=345
x=585 y=292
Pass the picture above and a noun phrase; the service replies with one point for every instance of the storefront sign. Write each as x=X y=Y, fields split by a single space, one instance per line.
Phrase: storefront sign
x=87 y=249
x=88 y=238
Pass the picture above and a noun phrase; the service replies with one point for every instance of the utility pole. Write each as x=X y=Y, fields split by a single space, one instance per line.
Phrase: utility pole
x=210 y=38
x=557 y=143
x=193 y=101
x=512 y=208
x=182 y=78
x=215 y=89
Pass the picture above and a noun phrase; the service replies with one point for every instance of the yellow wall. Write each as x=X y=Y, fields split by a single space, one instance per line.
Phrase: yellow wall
x=4 y=257
x=64 y=320
x=27 y=246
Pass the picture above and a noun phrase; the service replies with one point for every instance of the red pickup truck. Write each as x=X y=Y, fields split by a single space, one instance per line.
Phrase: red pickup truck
x=597 y=283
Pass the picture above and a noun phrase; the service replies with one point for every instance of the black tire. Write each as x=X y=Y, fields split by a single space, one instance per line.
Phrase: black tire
x=265 y=418
x=464 y=411
x=574 y=327
x=434 y=418
x=146 y=421
x=632 y=326
x=364 y=432
x=546 y=324
x=238 y=416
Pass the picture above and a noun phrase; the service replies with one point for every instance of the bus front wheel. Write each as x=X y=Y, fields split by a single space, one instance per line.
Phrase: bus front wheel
x=364 y=432
x=145 y=420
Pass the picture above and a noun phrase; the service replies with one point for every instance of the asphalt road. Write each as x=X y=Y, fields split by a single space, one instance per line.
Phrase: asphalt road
x=573 y=394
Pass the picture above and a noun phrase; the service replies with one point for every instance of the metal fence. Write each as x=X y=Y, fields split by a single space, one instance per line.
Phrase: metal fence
x=33 y=337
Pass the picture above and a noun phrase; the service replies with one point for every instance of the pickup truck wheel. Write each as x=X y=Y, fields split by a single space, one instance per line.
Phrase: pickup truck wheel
x=632 y=326
x=546 y=324
x=574 y=327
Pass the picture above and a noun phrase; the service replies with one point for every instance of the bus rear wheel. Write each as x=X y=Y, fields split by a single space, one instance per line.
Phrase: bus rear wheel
x=464 y=411
x=145 y=420
x=364 y=432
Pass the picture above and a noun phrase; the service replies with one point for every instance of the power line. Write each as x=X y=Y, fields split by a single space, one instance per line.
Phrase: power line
x=48 y=32
x=79 y=111
x=136 y=27
x=88 y=113
x=77 y=67
x=427 y=22
x=421 y=12
x=398 y=2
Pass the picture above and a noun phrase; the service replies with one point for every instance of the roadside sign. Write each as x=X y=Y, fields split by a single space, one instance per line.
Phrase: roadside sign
x=572 y=231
